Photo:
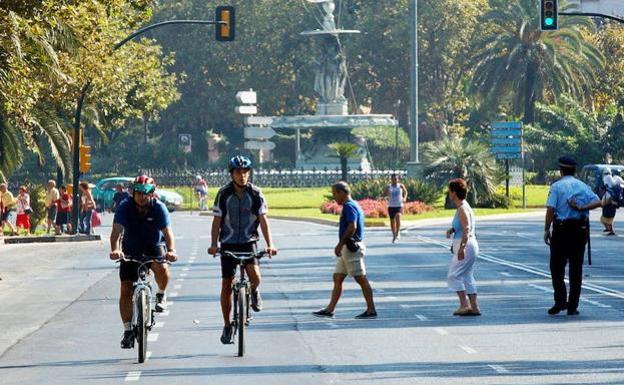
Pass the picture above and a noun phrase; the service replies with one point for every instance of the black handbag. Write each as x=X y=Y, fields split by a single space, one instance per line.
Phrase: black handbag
x=353 y=244
x=28 y=211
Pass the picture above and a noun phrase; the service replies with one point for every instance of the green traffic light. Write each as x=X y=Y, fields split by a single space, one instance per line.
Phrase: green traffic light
x=549 y=21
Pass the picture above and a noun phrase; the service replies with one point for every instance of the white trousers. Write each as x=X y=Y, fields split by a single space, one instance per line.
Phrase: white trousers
x=461 y=273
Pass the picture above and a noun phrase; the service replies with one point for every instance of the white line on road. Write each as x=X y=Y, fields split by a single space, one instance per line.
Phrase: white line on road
x=499 y=369
x=467 y=349
x=392 y=298
x=180 y=280
x=506 y=274
x=173 y=294
x=595 y=303
x=441 y=331
x=177 y=287
x=164 y=313
x=420 y=317
x=148 y=355
x=183 y=274
x=185 y=269
x=404 y=306
x=195 y=253
x=152 y=337
x=159 y=324
x=538 y=287
x=529 y=269
x=133 y=376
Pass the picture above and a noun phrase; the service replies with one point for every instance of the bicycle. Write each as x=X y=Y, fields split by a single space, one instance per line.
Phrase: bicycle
x=241 y=292
x=142 y=309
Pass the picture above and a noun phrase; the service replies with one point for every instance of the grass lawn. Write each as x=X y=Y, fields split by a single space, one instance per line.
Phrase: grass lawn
x=305 y=203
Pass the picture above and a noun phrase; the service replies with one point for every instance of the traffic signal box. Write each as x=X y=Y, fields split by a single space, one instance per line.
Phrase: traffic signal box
x=549 y=15
x=85 y=158
x=227 y=31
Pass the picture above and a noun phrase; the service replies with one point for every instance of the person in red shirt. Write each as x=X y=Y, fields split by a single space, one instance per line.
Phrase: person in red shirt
x=64 y=205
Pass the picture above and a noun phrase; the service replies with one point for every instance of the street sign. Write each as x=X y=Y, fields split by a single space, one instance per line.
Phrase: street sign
x=507 y=150
x=246 y=110
x=259 y=132
x=506 y=132
x=509 y=156
x=246 y=97
x=256 y=145
x=506 y=140
x=501 y=125
x=258 y=120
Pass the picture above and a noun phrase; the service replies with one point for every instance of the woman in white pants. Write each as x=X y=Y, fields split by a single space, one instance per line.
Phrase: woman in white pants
x=465 y=249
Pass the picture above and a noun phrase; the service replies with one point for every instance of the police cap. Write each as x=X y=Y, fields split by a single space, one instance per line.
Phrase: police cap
x=567 y=162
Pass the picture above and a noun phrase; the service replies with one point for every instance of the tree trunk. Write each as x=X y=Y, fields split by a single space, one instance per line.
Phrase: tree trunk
x=529 y=93
x=343 y=167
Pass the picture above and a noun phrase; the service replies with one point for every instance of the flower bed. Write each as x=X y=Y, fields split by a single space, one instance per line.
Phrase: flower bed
x=377 y=208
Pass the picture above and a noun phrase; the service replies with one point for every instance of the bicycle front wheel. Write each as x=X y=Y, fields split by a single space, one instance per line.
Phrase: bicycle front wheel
x=141 y=327
x=242 y=306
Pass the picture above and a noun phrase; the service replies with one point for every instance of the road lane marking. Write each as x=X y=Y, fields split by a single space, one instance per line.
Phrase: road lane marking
x=467 y=349
x=529 y=269
x=177 y=287
x=183 y=274
x=441 y=331
x=173 y=294
x=589 y=301
x=164 y=313
x=195 y=253
x=538 y=287
x=420 y=317
x=133 y=376
x=148 y=355
x=499 y=369
x=185 y=269
x=506 y=274
x=152 y=337
x=159 y=324
x=392 y=298
x=404 y=306
x=180 y=280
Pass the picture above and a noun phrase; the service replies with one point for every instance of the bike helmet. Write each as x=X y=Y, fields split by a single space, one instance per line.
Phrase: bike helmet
x=198 y=177
x=239 y=161
x=144 y=184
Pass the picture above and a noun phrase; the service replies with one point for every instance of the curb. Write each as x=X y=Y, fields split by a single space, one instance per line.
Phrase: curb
x=53 y=239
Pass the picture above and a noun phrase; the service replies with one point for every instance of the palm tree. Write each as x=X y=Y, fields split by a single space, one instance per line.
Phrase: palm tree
x=344 y=151
x=461 y=158
x=517 y=60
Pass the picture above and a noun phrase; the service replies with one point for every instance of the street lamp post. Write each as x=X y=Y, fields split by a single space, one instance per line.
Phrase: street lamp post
x=83 y=94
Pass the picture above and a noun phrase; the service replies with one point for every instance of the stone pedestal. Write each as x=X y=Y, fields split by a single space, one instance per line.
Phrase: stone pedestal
x=415 y=170
x=339 y=108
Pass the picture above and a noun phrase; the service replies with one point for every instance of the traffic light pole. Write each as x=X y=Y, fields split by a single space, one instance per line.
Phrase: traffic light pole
x=620 y=20
x=80 y=102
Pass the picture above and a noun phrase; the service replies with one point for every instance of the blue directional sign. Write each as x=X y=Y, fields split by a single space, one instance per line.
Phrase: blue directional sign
x=507 y=149
x=507 y=132
x=501 y=125
x=506 y=140
x=509 y=156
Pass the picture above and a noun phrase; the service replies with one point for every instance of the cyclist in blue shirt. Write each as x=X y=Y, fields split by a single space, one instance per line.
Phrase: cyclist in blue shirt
x=144 y=222
x=239 y=209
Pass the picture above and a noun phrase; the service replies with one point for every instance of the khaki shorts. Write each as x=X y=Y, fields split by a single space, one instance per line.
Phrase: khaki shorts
x=350 y=263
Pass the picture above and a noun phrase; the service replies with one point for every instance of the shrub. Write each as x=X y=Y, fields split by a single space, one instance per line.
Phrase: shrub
x=417 y=190
x=373 y=208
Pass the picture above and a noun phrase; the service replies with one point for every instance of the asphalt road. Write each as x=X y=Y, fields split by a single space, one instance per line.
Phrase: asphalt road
x=60 y=323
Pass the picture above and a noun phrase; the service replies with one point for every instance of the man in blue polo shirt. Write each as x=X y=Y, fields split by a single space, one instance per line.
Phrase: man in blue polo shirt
x=144 y=222
x=350 y=252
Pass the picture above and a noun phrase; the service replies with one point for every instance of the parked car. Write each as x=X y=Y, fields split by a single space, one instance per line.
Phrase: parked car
x=592 y=175
x=104 y=191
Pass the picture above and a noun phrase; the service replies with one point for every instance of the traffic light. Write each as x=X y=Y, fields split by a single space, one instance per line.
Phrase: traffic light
x=227 y=31
x=549 y=15
x=85 y=158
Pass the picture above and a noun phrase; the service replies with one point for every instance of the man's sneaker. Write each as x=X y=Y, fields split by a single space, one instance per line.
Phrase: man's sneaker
x=226 y=336
x=256 y=301
x=127 y=341
x=366 y=315
x=323 y=313
x=161 y=302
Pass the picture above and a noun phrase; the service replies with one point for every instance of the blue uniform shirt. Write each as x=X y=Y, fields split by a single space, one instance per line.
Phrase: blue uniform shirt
x=351 y=212
x=565 y=189
x=142 y=233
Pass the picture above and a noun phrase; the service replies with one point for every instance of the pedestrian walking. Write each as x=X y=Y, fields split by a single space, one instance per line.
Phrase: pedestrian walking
x=567 y=207
x=350 y=251
x=23 y=210
x=7 y=201
x=397 y=196
x=460 y=277
x=120 y=195
x=87 y=204
x=52 y=196
x=63 y=217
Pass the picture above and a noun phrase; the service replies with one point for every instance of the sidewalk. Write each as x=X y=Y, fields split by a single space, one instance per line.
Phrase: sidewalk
x=49 y=238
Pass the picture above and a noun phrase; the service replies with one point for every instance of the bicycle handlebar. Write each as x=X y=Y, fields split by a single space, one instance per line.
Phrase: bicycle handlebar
x=243 y=256
x=141 y=260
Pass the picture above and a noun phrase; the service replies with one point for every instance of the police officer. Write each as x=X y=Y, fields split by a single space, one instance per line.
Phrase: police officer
x=567 y=210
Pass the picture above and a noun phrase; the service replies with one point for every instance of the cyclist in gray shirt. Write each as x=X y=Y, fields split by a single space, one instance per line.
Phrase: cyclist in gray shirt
x=239 y=209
